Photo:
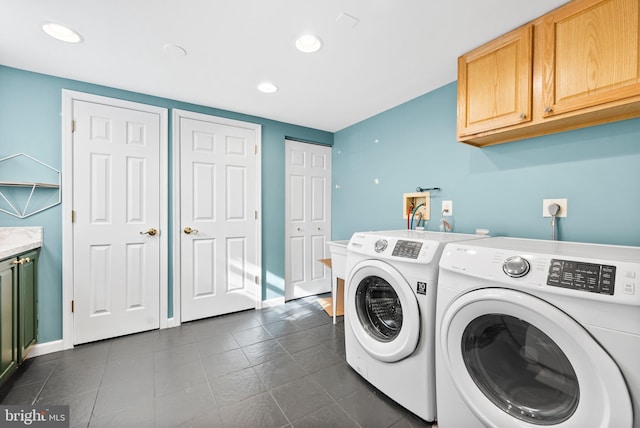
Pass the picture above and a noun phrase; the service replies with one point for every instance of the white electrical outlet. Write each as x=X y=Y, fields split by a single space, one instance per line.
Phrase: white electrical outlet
x=561 y=202
x=447 y=208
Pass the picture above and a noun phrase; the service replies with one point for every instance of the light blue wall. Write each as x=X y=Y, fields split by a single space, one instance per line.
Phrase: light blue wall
x=30 y=122
x=499 y=188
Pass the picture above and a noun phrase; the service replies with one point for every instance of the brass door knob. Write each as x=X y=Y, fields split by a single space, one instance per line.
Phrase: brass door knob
x=150 y=232
x=189 y=231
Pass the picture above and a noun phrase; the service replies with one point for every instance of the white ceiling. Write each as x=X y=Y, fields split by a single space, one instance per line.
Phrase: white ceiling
x=399 y=49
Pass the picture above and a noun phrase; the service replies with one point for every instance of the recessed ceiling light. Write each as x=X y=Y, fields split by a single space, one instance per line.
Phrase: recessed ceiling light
x=62 y=33
x=267 y=87
x=308 y=43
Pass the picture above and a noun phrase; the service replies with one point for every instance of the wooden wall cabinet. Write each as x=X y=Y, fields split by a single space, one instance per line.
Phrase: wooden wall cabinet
x=494 y=83
x=585 y=71
x=18 y=310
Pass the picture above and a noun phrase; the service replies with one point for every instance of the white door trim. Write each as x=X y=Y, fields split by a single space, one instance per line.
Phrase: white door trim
x=68 y=97
x=176 y=115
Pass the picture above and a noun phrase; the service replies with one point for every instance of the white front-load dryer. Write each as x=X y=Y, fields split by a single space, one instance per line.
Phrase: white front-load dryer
x=390 y=312
x=536 y=333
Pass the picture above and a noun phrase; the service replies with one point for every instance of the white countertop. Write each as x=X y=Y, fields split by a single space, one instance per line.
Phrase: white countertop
x=16 y=240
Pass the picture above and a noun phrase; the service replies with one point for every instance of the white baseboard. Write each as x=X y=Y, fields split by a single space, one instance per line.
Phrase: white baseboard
x=58 y=345
x=173 y=322
x=46 y=348
x=271 y=302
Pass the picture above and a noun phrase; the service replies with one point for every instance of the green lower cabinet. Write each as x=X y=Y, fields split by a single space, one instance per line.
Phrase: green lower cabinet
x=27 y=303
x=18 y=310
x=8 y=318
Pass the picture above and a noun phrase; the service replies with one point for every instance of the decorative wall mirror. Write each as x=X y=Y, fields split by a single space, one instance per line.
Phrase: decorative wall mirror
x=27 y=185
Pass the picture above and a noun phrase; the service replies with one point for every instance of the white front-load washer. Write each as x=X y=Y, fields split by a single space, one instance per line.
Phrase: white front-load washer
x=536 y=333
x=390 y=312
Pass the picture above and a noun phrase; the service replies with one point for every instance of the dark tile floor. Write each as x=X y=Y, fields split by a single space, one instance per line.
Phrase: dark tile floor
x=277 y=367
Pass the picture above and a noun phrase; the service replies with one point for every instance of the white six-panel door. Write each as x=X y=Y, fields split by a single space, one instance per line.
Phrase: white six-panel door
x=219 y=193
x=308 y=218
x=116 y=204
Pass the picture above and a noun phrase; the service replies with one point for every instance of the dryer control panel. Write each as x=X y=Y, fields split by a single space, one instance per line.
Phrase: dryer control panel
x=582 y=276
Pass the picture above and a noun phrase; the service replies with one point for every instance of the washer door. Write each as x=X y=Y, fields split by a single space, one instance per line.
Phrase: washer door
x=383 y=311
x=517 y=360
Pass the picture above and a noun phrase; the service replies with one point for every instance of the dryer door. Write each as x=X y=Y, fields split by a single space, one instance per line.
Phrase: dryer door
x=387 y=316
x=517 y=360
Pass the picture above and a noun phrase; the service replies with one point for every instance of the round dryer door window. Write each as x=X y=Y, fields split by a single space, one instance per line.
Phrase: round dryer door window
x=521 y=369
x=518 y=360
x=382 y=310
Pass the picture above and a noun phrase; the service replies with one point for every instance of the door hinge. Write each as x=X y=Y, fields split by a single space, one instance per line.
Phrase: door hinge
x=73 y=216
x=255 y=215
x=257 y=279
x=255 y=150
x=73 y=126
x=73 y=306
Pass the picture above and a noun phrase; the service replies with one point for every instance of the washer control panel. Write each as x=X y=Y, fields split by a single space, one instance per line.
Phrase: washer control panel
x=407 y=249
x=590 y=277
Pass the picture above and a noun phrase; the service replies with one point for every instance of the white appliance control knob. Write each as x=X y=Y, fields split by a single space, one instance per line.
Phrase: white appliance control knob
x=516 y=267
x=381 y=245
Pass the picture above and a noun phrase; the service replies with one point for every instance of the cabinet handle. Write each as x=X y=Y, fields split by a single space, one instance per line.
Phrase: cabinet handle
x=21 y=261
x=547 y=109
x=522 y=115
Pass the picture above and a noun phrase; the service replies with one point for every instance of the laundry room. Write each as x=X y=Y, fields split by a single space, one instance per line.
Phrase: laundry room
x=274 y=350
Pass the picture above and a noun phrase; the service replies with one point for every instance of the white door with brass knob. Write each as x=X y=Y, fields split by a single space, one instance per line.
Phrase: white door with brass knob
x=117 y=273
x=217 y=175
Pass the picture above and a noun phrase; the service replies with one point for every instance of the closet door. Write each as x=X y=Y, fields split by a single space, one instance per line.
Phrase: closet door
x=219 y=175
x=308 y=218
x=117 y=217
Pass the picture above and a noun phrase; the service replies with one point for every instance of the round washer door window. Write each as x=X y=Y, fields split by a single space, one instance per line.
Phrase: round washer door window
x=382 y=310
x=517 y=360
x=379 y=309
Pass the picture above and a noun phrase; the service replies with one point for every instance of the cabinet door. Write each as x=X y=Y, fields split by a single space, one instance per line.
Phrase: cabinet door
x=27 y=302
x=494 y=83
x=591 y=54
x=8 y=319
